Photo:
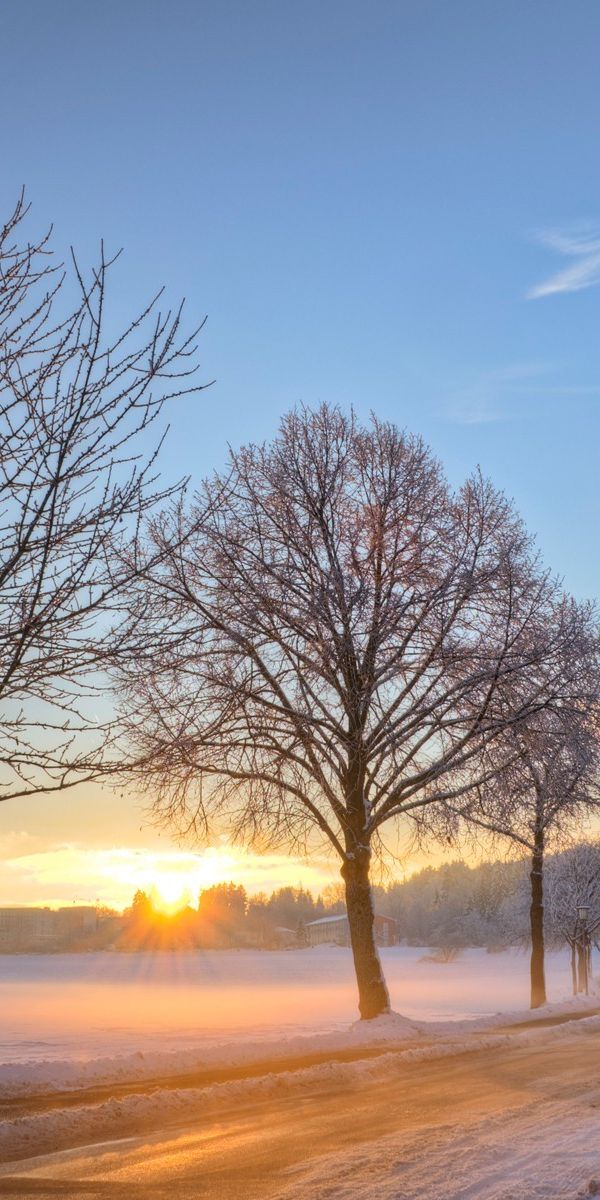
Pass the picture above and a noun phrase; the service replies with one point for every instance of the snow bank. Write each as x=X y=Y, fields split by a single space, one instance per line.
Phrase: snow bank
x=88 y=1123
x=51 y=1076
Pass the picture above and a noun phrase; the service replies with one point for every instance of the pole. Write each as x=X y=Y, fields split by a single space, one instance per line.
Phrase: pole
x=583 y=949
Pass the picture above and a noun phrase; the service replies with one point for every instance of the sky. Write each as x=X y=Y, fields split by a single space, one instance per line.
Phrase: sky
x=394 y=206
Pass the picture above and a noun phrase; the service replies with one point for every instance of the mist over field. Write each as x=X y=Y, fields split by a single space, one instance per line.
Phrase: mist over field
x=84 y=1005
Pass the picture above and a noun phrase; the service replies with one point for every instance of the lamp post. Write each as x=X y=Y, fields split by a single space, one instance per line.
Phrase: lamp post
x=583 y=947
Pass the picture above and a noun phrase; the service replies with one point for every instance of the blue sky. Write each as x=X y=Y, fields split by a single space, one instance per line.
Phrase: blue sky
x=390 y=205
x=357 y=196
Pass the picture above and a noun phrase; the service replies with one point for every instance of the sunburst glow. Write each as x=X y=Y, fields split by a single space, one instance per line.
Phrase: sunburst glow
x=168 y=895
x=172 y=878
x=176 y=880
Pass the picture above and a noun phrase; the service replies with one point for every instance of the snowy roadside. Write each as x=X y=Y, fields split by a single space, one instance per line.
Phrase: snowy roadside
x=131 y=1113
x=393 y=1032
x=547 y=1154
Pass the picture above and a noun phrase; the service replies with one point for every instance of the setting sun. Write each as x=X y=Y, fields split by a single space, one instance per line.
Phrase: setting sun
x=168 y=895
x=176 y=878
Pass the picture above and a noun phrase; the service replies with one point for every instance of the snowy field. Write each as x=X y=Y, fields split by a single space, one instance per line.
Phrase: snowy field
x=73 y=1007
x=172 y=1047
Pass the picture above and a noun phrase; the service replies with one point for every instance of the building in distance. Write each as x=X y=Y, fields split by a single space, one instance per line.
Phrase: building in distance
x=336 y=929
x=32 y=929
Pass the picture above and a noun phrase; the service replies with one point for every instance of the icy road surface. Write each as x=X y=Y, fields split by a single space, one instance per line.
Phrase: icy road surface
x=520 y=1121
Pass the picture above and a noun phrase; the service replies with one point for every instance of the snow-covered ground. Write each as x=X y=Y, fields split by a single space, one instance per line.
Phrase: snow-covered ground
x=500 y=1116
x=69 y=1008
x=287 y=1020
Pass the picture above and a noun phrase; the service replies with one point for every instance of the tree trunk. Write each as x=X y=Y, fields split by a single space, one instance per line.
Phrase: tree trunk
x=536 y=920
x=573 y=968
x=373 y=998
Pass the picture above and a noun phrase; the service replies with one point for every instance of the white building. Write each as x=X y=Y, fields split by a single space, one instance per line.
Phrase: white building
x=336 y=929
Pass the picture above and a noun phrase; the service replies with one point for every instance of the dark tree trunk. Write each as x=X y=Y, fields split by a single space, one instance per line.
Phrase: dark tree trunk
x=536 y=920
x=574 y=968
x=373 y=998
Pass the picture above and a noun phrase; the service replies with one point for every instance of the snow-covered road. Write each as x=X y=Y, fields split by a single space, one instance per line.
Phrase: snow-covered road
x=516 y=1120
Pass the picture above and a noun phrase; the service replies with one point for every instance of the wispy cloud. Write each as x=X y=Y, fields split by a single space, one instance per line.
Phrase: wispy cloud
x=582 y=246
x=493 y=395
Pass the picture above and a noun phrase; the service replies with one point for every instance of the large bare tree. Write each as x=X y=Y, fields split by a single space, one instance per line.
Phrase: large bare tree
x=327 y=640
x=77 y=470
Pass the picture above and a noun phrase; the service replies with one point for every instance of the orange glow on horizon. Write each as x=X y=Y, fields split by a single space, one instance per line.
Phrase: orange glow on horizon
x=171 y=877
x=67 y=873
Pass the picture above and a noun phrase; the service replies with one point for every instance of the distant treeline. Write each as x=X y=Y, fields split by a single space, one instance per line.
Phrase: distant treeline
x=449 y=907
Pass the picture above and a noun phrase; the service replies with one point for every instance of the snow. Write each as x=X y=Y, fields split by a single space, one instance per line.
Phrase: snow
x=547 y=1155
x=32 y=1134
x=109 y=1118
x=70 y=1020
x=329 y=920
x=102 y=1020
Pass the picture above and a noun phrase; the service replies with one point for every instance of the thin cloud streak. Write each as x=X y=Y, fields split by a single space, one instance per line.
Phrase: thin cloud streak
x=583 y=247
x=488 y=398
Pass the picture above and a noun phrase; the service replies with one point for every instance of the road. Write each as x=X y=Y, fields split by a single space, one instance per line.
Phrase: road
x=519 y=1121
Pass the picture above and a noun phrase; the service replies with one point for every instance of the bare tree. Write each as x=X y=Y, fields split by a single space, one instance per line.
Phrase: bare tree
x=573 y=879
x=543 y=781
x=327 y=642
x=77 y=471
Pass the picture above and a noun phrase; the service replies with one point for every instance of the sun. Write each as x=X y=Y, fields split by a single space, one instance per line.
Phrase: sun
x=174 y=878
x=169 y=894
